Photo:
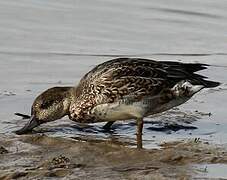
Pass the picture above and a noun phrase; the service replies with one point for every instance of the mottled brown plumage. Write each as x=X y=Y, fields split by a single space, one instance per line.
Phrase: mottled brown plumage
x=114 y=80
x=121 y=89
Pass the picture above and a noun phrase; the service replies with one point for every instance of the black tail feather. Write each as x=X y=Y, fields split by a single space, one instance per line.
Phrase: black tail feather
x=178 y=71
x=208 y=84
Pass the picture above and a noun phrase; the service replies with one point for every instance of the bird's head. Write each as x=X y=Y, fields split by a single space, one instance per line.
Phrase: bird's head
x=51 y=105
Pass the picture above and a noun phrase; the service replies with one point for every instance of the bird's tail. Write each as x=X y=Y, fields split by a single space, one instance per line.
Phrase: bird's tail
x=182 y=71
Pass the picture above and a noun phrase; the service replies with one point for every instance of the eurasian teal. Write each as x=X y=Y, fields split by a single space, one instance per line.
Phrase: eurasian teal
x=121 y=89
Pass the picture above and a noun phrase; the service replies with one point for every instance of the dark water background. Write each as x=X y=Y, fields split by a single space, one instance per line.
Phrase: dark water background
x=46 y=43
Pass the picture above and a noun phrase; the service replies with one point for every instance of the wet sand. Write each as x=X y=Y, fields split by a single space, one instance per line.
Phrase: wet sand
x=48 y=43
x=40 y=157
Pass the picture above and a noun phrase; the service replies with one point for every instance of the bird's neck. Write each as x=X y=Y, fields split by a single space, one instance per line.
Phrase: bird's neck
x=75 y=102
x=68 y=100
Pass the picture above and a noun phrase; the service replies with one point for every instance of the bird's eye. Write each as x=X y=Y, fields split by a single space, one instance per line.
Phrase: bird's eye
x=47 y=104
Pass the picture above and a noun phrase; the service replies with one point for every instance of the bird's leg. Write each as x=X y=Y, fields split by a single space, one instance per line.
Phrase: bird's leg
x=108 y=125
x=139 y=133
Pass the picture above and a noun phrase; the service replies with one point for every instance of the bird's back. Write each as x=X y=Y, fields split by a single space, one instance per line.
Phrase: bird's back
x=168 y=72
x=121 y=79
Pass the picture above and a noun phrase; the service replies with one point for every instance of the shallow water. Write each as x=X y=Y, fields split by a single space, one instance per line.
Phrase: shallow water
x=212 y=171
x=49 y=43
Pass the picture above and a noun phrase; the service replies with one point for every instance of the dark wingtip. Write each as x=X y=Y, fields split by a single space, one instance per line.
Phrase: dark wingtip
x=194 y=67
x=189 y=67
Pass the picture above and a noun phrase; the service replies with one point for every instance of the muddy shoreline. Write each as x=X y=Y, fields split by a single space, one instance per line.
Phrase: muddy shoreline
x=39 y=157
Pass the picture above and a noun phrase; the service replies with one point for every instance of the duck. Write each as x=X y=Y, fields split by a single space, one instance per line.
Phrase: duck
x=121 y=89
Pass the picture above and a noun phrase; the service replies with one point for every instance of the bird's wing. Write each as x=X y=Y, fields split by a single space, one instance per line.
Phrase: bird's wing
x=135 y=87
x=132 y=78
x=114 y=80
x=124 y=67
x=137 y=77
